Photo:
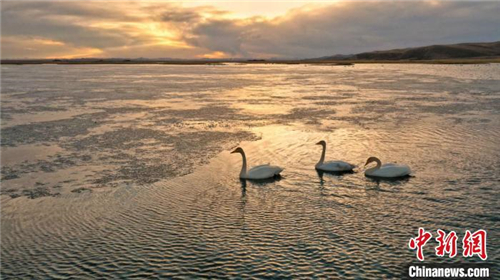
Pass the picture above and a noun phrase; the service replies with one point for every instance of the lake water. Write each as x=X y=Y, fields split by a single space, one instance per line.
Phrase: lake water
x=125 y=170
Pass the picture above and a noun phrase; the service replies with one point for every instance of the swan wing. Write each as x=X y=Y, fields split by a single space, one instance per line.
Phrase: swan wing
x=264 y=171
x=336 y=166
x=391 y=170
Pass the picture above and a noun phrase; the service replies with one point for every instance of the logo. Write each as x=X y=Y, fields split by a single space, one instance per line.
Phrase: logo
x=473 y=244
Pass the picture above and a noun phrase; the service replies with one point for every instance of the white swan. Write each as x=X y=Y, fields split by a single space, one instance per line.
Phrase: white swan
x=388 y=170
x=332 y=166
x=259 y=172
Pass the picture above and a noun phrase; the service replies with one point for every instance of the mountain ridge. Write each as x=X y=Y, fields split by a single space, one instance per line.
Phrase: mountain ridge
x=432 y=52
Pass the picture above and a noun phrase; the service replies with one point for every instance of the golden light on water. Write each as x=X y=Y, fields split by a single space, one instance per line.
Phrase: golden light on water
x=129 y=155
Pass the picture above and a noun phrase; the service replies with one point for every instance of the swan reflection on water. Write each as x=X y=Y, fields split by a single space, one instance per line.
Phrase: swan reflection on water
x=322 y=173
x=260 y=182
x=398 y=181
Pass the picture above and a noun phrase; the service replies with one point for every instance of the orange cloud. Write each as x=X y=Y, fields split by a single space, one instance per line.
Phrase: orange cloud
x=28 y=47
x=250 y=29
x=212 y=55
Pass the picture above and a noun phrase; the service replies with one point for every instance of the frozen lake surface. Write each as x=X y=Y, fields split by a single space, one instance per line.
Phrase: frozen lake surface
x=125 y=170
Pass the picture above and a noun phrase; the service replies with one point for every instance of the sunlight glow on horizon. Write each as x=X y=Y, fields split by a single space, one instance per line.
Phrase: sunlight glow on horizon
x=226 y=29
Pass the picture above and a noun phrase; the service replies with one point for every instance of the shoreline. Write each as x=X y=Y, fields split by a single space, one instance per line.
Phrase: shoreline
x=222 y=62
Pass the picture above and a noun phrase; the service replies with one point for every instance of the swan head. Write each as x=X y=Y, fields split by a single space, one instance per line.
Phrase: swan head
x=322 y=143
x=372 y=159
x=237 y=150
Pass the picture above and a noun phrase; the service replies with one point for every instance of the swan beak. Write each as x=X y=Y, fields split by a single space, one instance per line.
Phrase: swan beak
x=319 y=143
x=233 y=152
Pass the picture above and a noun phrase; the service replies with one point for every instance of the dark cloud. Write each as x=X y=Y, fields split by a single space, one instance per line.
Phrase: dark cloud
x=66 y=22
x=180 y=16
x=85 y=10
x=340 y=28
x=219 y=35
x=357 y=27
x=70 y=34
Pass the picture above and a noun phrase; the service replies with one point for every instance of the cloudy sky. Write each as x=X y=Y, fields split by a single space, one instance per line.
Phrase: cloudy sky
x=224 y=29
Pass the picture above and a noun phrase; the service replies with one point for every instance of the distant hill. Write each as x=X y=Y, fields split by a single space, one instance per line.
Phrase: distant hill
x=456 y=54
x=455 y=51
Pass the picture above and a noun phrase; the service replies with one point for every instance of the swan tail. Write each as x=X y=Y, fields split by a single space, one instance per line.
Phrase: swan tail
x=278 y=171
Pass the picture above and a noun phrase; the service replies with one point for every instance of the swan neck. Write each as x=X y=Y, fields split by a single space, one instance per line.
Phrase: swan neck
x=370 y=171
x=322 y=159
x=243 y=172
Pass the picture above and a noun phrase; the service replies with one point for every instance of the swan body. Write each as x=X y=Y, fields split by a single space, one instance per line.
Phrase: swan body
x=388 y=170
x=264 y=171
x=334 y=165
x=259 y=172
